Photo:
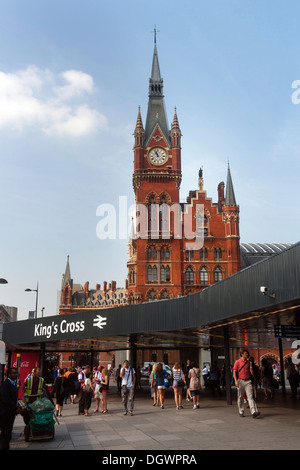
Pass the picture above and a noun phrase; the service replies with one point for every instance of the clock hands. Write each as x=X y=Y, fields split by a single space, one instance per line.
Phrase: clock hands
x=157 y=156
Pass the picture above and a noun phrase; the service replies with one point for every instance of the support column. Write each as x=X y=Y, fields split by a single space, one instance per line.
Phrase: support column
x=133 y=353
x=281 y=366
x=227 y=366
x=42 y=357
x=92 y=359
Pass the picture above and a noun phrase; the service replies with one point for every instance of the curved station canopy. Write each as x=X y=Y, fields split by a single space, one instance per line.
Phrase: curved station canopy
x=250 y=314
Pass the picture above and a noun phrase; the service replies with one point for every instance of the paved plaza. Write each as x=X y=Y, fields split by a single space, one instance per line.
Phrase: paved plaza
x=215 y=425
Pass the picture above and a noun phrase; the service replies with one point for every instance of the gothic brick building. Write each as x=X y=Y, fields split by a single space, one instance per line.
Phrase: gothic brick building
x=175 y=248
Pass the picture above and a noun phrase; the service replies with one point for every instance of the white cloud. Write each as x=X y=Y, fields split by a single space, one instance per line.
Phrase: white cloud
x=77 y=82
x=32 y=97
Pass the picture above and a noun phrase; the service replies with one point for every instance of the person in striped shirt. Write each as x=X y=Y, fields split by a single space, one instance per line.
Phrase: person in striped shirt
x=178 y=384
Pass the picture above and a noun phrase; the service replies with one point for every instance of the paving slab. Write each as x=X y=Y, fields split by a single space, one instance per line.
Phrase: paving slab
x=215 y=426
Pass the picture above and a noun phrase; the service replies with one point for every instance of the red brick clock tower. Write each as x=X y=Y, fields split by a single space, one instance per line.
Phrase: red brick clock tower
x=154 y=265
x=163 y=261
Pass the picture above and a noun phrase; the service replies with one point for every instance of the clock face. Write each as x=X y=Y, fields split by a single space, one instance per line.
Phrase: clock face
x=158 y=156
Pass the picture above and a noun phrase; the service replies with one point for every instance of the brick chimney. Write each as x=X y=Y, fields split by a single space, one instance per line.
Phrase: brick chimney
x=221 y=197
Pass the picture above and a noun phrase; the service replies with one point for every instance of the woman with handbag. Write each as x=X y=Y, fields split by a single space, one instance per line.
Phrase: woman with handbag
x=178 y=384
x=97 y=383
x=194 y=376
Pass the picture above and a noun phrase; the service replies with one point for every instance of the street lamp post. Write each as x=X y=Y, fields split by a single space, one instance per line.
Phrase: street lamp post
x=2 y=348
x=36 y=300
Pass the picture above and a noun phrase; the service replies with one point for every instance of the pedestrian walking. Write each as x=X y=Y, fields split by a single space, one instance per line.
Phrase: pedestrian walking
x=9 y=407
x=214 y=379
x=178 y=384
x=67 y=373
x=255 y=377
x=242 y=372
x=186 y=371
x=205 y=375
x=194 y=377
x=153 y=385
x=160 y=383
x=293 y=377
x=60 y=391
x=74 y=385
x=97 y=386
x=266 y=378
x=81 y=379
x=138 y=378
x=104 y=387
x=128 y=383
x=88 y=393
x=119 y=380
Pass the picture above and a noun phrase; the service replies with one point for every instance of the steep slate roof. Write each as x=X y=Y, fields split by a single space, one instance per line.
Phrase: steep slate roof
x=156 y=113
x=67 y=276
x=229 y=197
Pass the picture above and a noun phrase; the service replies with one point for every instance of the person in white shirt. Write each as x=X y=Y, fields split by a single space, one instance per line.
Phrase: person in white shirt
x=127 y=375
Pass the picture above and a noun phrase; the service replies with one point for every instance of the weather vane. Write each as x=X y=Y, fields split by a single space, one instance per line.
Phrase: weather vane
x=155 y=31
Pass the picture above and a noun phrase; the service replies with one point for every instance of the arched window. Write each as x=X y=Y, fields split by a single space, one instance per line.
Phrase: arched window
x=164 y=216
x=189 y=255
x=218 y=275
x=165 y=295
x=189 y=276
x=151 y=296
x=201 y=225
x=151 y=273
x=217 y=253
x=152 y=216
x=203 y=253
x=164 y=273
x=203 y=277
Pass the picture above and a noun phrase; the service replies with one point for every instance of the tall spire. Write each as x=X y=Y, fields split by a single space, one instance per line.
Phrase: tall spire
x=67 y=276
x=175 y=132
x=155 y=72
x=139 y=131
x=156 y=107
x=230 y=197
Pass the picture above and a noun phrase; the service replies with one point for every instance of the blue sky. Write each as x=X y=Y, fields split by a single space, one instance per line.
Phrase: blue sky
x=72 y=75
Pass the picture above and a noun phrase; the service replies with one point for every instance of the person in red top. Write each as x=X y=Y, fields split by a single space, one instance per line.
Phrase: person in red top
x=242 y=372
